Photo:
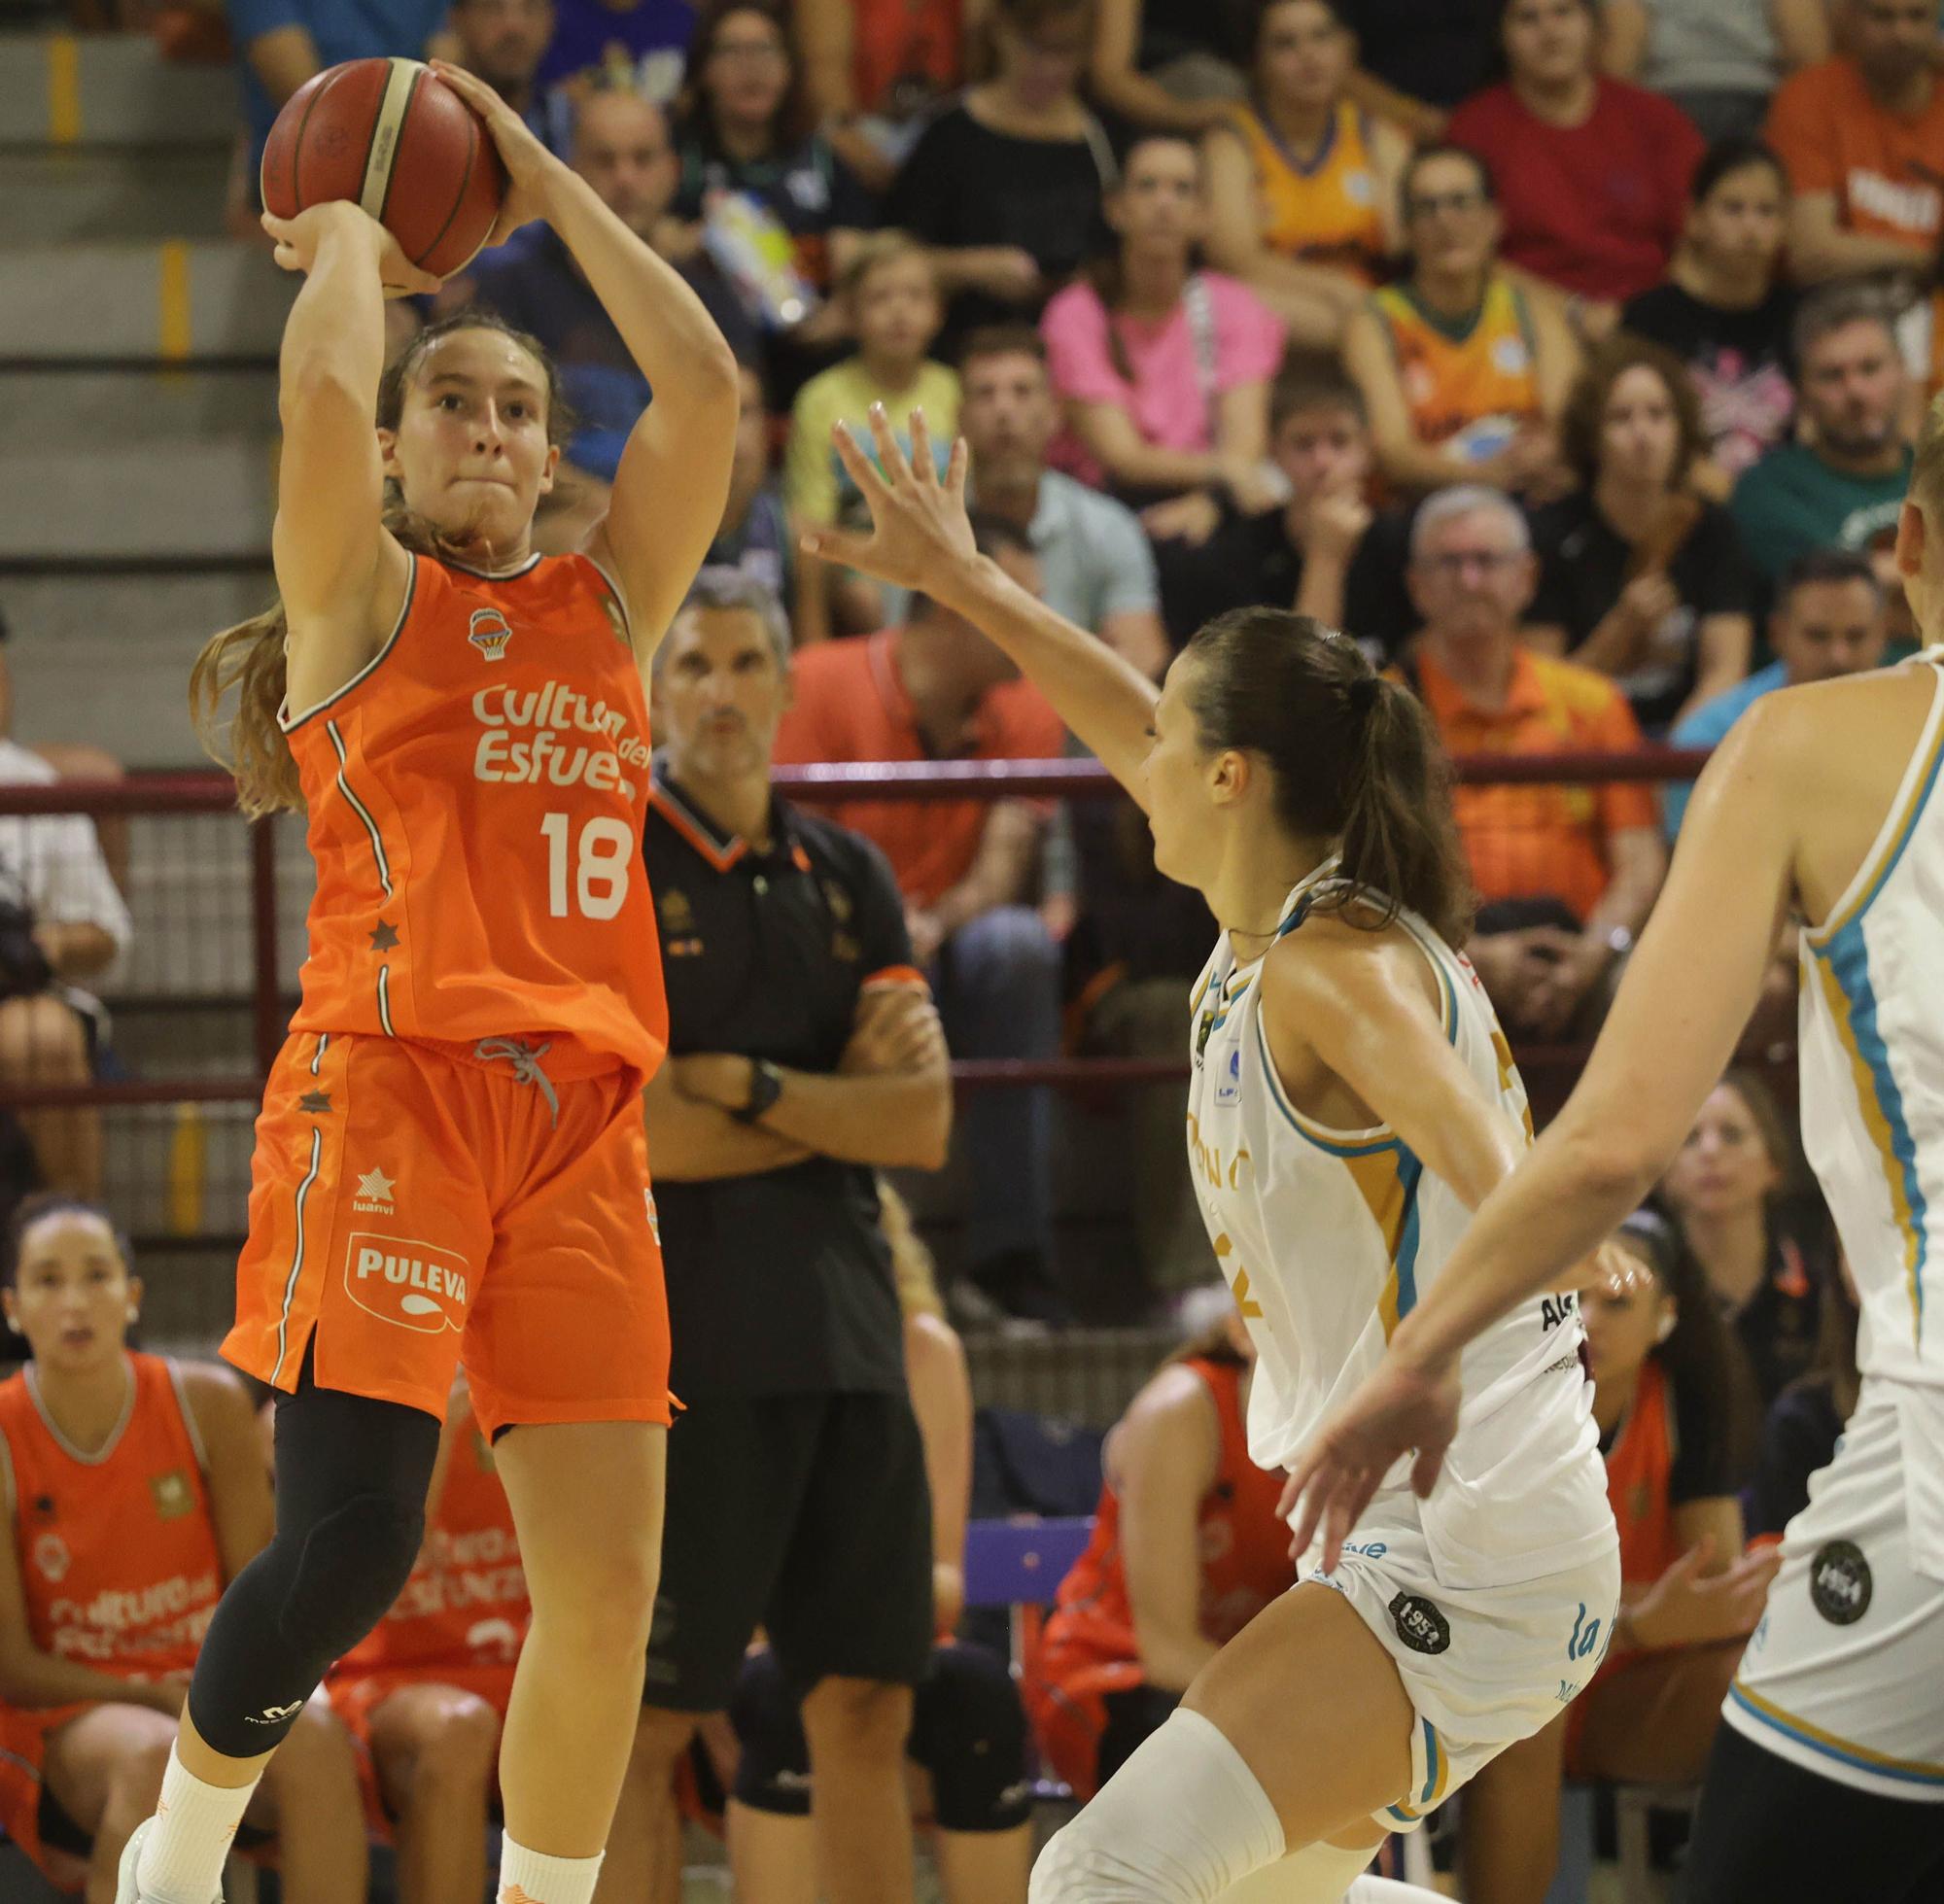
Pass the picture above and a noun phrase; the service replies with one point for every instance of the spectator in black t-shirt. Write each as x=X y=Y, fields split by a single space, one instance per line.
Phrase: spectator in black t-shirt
x=747 y=143
x=804 y=1054
x=1737 y=1188
x=1807 y=1418
x=1671 y=1400
x=1726 y=309
x=1639 y=577
x=1325 y=552
x=1006 y=186
x=754 y=536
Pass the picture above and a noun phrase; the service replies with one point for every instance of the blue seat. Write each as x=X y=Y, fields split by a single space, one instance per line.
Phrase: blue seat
x=1021 y=1563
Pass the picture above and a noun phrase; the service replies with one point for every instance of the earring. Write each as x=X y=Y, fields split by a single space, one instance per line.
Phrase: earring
x=1665 y=1330
x=134 y=1315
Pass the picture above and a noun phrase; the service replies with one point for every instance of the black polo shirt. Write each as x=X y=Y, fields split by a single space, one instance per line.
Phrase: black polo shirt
x=779 y=1283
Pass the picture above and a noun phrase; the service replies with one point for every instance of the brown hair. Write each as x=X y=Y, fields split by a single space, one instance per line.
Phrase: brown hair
x=878 y=248
x=911 y=1267
x=1353 y=756
x=1835 y=1363
x=1030 y=16
x=1582 y=421
x=250 y=657
x=1926 y=474
x=1778 y=1139
x=794 y=119
x=1305 y=385
x=1003 y=341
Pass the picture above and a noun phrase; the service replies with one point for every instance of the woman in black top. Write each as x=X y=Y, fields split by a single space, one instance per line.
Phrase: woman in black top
x=743 y=126
x=1006 y=186
x=1639 y=577
x=1736 y=1190
x=1725 y=311
x=1799 y=1437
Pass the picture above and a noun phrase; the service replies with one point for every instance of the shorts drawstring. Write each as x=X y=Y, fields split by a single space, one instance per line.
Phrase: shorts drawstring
x=526 y=1063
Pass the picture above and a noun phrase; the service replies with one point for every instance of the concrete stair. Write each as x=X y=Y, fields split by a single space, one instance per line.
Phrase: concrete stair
x=61 y=90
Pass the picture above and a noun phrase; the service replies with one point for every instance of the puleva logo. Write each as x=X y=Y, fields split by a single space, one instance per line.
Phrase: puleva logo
x=410 y=1284
x=488 y=633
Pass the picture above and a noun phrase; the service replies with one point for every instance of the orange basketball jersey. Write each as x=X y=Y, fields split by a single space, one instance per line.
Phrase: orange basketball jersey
x=1324 y=211
x=466 y=1603
x=475 y=796
x=117 y=1553
x=1243 y=1551
x=1459 y=377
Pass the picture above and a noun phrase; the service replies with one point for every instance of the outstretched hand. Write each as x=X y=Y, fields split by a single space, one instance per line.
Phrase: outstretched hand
x=528 y=162
x=919 y=525
x=1400 y=1408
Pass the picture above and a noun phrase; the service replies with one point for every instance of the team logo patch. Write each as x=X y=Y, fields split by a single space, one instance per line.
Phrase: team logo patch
x=488 y=633
x=375 y=1193
x=172 y=1495
x=1419 y=1624
x=50 y=1556
x=410 y=1284
x=1840 y=1583
x=1230 y=1087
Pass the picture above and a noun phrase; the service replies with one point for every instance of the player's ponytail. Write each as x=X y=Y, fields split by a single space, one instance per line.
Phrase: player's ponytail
x=1357 y=764
x=249 y=658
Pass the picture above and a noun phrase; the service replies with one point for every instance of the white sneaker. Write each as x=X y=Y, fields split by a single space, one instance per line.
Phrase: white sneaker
x=125 y=1891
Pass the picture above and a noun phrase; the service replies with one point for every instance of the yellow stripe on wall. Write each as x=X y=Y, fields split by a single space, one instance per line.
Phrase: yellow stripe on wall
x=63 y=89
x=173 y=295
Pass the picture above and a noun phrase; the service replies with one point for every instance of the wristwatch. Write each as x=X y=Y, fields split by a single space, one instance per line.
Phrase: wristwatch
x=766 y=1086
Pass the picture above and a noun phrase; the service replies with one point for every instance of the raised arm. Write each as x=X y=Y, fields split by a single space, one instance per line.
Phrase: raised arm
x=666 y=501
x=1120 y=84
x=921 y=538
x=333 y=558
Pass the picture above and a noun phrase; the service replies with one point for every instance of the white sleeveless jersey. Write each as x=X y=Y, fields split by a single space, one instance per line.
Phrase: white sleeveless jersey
x=1872 y=1070
x=1329 y=1239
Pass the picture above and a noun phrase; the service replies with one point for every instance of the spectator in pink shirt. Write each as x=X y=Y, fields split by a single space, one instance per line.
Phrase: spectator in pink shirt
x=1592 y=172
x=1164 y=368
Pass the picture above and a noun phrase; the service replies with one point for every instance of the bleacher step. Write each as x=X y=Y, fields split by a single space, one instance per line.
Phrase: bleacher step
x=168 y=499
x=89 y=194
x=112 y=409
x=110 y=90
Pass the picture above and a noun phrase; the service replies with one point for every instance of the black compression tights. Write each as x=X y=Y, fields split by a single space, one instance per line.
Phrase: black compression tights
x=350 y=1485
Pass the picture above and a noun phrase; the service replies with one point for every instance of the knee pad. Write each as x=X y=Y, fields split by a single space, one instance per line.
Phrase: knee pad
x=348 y=1570
x=773 y=1769
x=1180 y=1822
x=969 y=1732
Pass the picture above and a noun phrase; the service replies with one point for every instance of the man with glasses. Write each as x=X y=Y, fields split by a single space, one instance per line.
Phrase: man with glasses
x=1567 y=873
x=1464 y=372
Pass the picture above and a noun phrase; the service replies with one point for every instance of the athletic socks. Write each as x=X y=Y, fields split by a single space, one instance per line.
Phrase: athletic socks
x=188 y=1843
x=532 y=1878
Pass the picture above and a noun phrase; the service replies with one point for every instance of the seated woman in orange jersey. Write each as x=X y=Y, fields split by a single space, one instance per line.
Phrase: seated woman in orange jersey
x=1187 y=1550
x=1302 y=185
x=424 y=1691
x=1465 y=368
x=133 y=1492
x=1674 y=1401
x=966 y=1750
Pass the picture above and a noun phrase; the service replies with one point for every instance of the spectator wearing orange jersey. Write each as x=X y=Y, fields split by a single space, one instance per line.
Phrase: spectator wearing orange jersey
x=936 y=689
x=1863 y=136
x=133 y=1489
x=1567 y=872
x=425 y=1692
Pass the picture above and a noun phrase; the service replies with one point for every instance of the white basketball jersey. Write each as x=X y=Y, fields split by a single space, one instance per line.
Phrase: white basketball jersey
x=1330 y=1237
x=1872 y=1070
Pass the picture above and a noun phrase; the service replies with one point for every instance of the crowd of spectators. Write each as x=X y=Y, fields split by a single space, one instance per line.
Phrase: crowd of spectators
x=1567 y=356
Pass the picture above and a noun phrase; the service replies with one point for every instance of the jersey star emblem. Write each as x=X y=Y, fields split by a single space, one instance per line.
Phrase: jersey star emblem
x=375 y=1187
x=385 y=937
x=315 y=1102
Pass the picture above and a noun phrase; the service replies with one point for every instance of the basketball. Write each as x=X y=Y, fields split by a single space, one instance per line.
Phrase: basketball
x=392 y=136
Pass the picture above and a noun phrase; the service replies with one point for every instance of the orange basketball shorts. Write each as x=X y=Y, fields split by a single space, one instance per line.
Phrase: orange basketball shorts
x=413 y=1207
x=356 y=1697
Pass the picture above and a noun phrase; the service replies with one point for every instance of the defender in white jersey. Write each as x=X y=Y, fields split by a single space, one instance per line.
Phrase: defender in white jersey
x=1352 y=1099
x=1824 y=804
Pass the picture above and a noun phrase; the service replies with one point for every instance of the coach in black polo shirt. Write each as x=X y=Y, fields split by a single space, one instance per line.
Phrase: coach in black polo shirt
x=804 y=1054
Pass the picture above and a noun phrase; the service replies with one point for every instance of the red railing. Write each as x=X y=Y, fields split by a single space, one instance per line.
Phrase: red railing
x=268 y=1002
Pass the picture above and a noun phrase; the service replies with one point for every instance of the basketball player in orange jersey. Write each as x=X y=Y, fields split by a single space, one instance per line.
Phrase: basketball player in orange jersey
x=425 y=1692
x=132 y=1491
x=450 y=1161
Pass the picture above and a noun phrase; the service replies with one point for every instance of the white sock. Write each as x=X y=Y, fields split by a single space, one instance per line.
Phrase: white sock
x=187 y=1847
x=532 y=1878
x=1178 y=1823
